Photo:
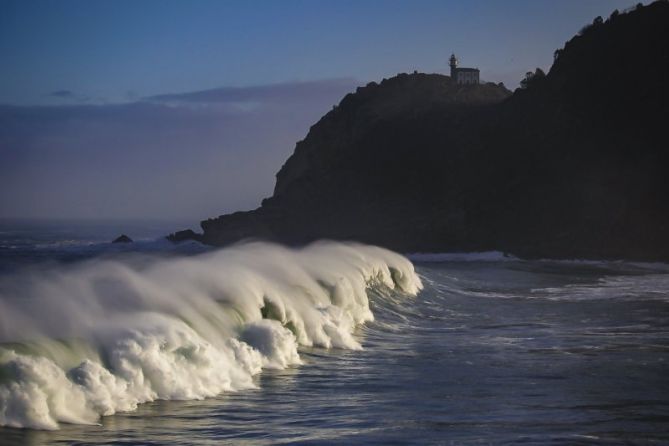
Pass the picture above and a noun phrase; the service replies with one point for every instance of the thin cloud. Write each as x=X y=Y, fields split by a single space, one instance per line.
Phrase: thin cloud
x=63 y=94
x=68 y=95
x=283 y=92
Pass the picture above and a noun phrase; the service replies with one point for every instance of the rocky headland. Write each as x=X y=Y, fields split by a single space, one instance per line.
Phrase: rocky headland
x=575 y=165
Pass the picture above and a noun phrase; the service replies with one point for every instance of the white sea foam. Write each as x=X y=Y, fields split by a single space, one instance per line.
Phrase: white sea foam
x=99 y=337
x=484 y=256
x=637 y=287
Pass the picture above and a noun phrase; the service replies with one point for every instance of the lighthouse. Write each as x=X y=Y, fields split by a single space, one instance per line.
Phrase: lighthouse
x=463 y=75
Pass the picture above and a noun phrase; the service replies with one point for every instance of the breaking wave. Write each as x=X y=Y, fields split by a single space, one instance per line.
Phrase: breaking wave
x=90 y=339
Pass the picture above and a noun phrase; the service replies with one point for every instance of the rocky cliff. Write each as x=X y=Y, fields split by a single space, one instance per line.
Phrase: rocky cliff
x=574 y=165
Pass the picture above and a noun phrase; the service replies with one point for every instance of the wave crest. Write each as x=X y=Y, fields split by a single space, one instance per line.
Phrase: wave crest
x=86 y=340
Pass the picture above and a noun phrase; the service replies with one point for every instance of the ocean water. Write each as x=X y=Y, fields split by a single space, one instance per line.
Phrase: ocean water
x=333 y=344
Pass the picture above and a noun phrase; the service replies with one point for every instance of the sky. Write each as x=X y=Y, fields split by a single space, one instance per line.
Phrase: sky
x=187 y=109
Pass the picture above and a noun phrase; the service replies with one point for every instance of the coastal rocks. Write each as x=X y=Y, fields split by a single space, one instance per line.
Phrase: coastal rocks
x=122 y=239
x=181 y=236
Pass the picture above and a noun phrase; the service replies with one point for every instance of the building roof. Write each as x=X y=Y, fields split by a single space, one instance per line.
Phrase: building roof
x=468 y=70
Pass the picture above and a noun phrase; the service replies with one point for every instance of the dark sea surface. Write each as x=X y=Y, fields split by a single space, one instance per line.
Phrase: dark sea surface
x=493 y=350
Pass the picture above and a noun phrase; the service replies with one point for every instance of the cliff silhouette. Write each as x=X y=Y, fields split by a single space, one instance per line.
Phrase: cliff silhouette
x=575 y=165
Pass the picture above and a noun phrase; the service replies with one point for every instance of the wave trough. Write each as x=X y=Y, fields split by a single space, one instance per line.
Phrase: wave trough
x=91 y=339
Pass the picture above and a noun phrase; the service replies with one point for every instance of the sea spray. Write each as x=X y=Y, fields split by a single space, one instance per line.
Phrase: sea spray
x=94 y=338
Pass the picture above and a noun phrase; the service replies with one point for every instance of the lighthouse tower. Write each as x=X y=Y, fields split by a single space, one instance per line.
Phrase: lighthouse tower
x=453 y=63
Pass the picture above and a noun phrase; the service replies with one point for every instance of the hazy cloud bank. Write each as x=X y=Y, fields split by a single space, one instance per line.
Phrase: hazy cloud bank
x=189 y=155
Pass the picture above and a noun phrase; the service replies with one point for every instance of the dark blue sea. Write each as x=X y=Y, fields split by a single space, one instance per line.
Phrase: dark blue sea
x=334 y=343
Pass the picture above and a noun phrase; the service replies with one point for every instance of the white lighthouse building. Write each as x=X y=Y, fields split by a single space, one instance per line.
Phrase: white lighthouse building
x=463 y=75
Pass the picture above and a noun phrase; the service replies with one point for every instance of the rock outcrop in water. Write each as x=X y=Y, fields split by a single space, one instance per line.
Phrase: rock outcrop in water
x=122 y=239
x=575 y=165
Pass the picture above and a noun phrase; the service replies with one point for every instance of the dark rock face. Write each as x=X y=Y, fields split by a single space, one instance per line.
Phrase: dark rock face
x=122 y=239
x=573 y=166
x=181 y=236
